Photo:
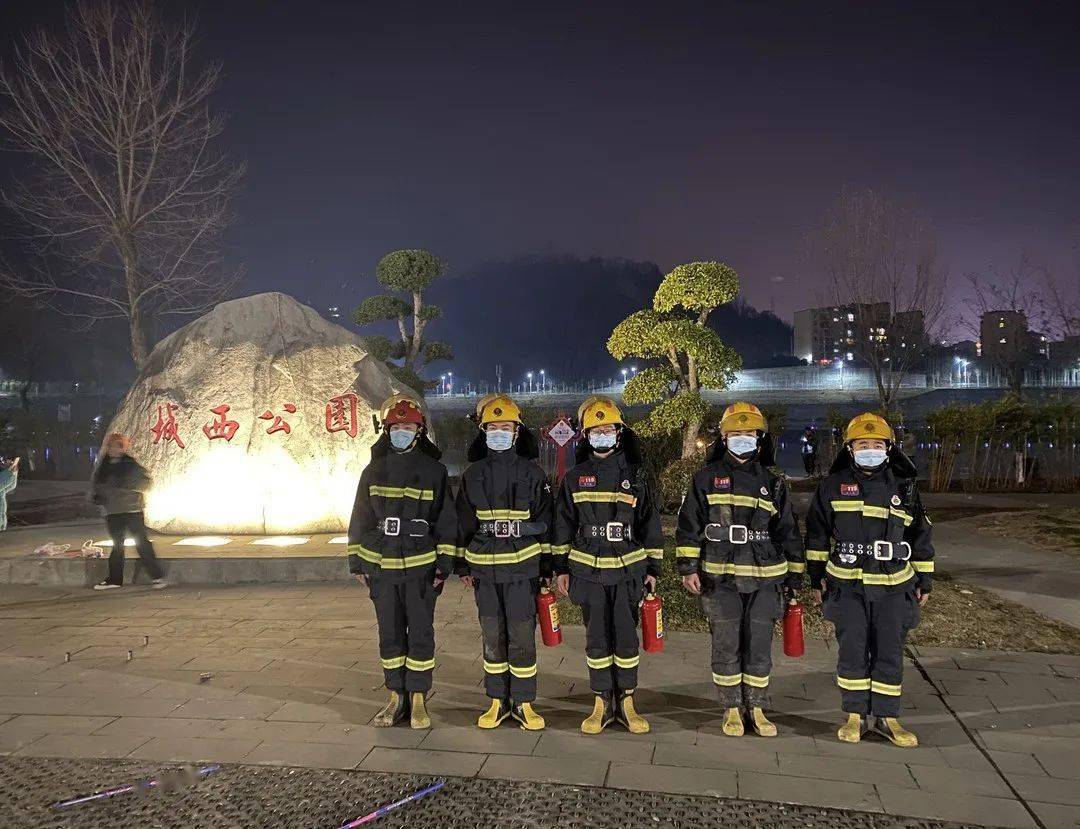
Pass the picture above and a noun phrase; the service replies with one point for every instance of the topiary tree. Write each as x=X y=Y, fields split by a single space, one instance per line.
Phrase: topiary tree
x=689 y=355
x=410 y=272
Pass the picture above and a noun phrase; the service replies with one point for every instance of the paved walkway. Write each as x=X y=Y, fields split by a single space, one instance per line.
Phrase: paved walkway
x=295 y=678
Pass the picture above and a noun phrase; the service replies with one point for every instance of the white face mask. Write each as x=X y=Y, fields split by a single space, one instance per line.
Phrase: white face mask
x=742 y=444
x=602 y=442
x=498 y=440
x=870 y=458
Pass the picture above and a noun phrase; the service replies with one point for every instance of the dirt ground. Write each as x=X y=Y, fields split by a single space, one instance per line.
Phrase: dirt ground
x=1056 y=529
x=958 y=615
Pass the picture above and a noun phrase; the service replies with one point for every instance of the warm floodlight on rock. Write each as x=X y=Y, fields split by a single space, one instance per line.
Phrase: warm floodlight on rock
x=203 y=541
x=281 y=541
x=340 y=539
x=255 y=419
x=128 y=542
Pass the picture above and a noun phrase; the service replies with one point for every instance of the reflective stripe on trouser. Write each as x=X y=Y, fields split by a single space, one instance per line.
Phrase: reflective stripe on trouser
x=508 y=626
x=610 y=613
x=405 y=612
x=742 y=633
x=871 y=636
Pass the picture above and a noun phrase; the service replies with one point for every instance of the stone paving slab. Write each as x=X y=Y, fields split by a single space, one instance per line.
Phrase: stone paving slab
x=304 y=693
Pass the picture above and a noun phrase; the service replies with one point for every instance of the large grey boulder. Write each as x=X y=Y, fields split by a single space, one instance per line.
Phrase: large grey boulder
x=286 y=454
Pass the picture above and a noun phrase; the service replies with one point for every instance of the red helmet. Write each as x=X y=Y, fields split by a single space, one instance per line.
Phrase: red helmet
x=401 y=409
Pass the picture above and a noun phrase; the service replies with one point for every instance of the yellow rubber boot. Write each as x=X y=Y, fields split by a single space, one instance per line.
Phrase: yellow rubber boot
x=392 y=713
x=529 y=719
x=851 y=731
x=498 y=712
x=629 y=717
x=418 y=717
x=600 y=718
x=761 y=723
x=733 y=723
x=895 y=733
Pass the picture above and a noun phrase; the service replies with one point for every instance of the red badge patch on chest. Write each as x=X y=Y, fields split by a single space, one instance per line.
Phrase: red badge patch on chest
x=849 y=489
x=722 y=483
x=586 y=480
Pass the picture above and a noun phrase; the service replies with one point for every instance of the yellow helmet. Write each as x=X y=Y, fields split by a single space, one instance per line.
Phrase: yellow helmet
x=401 y=408
x=496 y=407
x=598 y=411
x=740 y=416
x=868 y=425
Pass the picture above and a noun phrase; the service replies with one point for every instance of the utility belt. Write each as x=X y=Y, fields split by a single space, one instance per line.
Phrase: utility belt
x=611 y=531
x=411 y=527
x=879 y=550
x=734 y=533
x=506 y=528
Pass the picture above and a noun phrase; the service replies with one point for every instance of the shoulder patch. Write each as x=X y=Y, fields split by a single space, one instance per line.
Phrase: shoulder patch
x=895 y=500
x=586 y=480
x=849 y=489
x=626 y=483
x=765 y=491
x=723 y=482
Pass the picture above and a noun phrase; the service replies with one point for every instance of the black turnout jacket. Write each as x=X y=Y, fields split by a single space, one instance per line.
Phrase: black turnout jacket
x=403 y=524
x=599 y=492
x=726 y=494
x=500 y=493
x=852 y=510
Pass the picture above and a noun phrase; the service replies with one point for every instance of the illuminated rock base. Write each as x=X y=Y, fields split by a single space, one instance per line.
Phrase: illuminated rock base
x=255 y=418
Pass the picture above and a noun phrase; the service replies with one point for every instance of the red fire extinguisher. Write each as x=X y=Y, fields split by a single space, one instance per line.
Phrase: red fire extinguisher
x=793 y=632
x=548 y=612
x=652 y=624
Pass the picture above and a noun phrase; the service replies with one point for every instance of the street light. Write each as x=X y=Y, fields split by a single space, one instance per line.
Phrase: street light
x=840 y=366
x=624 y=376
x=529 y=375
x=543 y=381
x=442 y=383
x=449 y=382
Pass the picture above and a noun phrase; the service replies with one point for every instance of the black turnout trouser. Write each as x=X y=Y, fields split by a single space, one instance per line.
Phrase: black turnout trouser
x=610 y=613
x=809 y=460
x=405 y=612
x=507 y=614
x=124 y=524
x=871 y=636
x=742 y=634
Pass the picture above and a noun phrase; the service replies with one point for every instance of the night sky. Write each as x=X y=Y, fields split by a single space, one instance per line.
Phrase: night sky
x=488 y=132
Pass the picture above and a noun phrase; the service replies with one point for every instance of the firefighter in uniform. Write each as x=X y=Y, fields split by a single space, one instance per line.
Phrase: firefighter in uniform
x=870 y=557
x=402 y=544
x=608 y=549
x=504 y=510
x=738 y=547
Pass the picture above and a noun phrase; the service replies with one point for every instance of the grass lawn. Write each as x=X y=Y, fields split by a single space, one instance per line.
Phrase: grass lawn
x=957 y=616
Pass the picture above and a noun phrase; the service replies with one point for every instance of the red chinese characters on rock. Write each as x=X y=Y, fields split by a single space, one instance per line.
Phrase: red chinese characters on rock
x=222 y=427
x=279 y=424
x=166 y=428
x=341 y=414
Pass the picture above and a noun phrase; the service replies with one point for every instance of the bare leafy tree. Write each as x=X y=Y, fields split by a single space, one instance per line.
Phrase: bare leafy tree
x=126 y=193
x=881 y=264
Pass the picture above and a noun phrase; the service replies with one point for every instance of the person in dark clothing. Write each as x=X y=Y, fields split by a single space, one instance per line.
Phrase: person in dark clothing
x=504 y=510
x=118 y=486
x=402 y=545
x=871 y=560
x=738 y=547
x=608 y=550
x=809 y=449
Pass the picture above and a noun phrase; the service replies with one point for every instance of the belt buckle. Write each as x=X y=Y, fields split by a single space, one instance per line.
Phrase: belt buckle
x=502 y=528
x=906 y=549
x=419 y=521
x=883 y=550
x=391 y=526
x=614 y=531
x=738 y=534
x=717 y=527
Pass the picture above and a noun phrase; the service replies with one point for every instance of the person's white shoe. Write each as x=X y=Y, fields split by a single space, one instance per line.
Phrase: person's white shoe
x=107 y=585
x=158 y=584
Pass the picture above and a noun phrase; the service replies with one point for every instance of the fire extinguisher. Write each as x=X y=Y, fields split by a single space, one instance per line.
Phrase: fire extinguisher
x=793 y=632
x=548 y=612
x=652 y=623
